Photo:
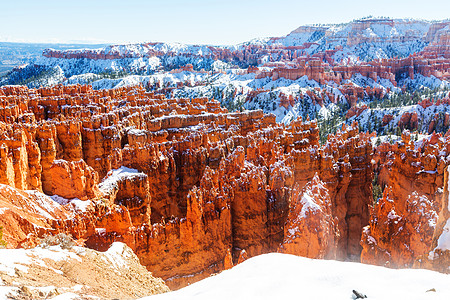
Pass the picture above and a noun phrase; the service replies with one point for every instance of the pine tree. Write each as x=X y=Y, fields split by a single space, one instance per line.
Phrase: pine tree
x=2 y=242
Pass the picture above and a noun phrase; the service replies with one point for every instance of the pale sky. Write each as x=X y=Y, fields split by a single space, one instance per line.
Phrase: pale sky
x=189 y=21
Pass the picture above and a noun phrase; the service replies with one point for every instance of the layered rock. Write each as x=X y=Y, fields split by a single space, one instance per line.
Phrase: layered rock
x=28 y=215
x=74 y=179
x=438 y=257
x=58 y=269
x=403 y=221
x=191 y=188
x=310 y=229
x=409 y=121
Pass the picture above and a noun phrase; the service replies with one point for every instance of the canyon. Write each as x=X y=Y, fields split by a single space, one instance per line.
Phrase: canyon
x=193 y=189
x=201 y=157
x=320 y=71
x=322 y=53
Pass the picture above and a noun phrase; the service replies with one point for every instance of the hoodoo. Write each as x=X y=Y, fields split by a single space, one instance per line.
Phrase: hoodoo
x=332 y=142
x=183 y=182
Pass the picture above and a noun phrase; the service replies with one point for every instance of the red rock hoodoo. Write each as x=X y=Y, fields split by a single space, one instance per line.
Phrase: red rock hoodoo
x=310 y=229
x=438 y=258
x=402 y=223
x=190 y=187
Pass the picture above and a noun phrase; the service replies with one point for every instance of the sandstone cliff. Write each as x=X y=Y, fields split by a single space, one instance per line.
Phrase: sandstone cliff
x=438 y=257
x=191 y=188
x=402 y=223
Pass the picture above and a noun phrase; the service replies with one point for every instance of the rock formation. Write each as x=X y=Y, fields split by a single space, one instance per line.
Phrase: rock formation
x=74 y=179
x=438 y=257
x=194 y=189
x=310 y=229
x=59 y=269
x=423 y=48
x=191 y=188
x=403 y=221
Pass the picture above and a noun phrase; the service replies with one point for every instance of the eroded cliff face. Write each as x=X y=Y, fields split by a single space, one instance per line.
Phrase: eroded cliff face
x=438 y=257
x=190 y=187
x=402 y=223
x=310 y=228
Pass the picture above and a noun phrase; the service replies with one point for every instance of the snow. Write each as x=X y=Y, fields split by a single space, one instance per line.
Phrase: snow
x=81 y=205
x=444 y=238
x=67 y=296
x=59 y=199
x=222 y=86
x=77 y=204
x=117 y=255
x=158 y=62
x=448 y=187
x=100 y=231
x=43 y=201
x=308 y=204
x=12 y=259
x=110 y=181
x=5 y=290
x=391 y=138
x=393 y=216
x=283 y=276
x=378 y=30
x=42 y=206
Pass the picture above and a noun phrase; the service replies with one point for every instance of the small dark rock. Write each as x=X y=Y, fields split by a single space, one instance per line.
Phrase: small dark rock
x=359 y=295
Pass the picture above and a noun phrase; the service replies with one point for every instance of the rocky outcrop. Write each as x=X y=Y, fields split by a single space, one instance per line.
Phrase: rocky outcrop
x=194 y=189
x=29 y=215
x=355 y=111
x=408 y=47
x=59 y=269
x=310 y=229
x=408 y=121
x=396 y=236
x=74 y=179
x=190 y=187
x=438 y=257
x=403 y=221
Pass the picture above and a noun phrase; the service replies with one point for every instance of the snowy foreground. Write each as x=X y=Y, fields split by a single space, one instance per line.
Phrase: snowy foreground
x=52 y=272
x=283 y=276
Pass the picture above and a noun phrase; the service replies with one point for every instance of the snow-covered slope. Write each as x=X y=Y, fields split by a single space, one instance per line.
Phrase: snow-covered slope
x=283 y=276
x=233 y=90
x=72 y=272
x=365 y=39
x=228 y=73
x=359 y=40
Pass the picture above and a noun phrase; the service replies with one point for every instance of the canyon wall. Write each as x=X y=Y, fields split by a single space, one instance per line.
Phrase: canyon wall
x=190 y=187
x=403 y=221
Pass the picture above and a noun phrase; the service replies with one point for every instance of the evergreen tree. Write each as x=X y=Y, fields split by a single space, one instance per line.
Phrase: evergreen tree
x=2 y=242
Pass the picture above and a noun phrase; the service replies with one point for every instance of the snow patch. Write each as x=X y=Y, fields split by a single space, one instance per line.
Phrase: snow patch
x=117 y=255
x=81 y=205
x=444 y=239
x=448 y=187
x=114 y=176
x=308 y=204
x=77 y=204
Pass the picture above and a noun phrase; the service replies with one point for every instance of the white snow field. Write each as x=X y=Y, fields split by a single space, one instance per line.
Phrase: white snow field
x=284 y=276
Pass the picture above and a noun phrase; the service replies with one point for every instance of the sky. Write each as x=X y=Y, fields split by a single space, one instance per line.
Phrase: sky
x=189 y=21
